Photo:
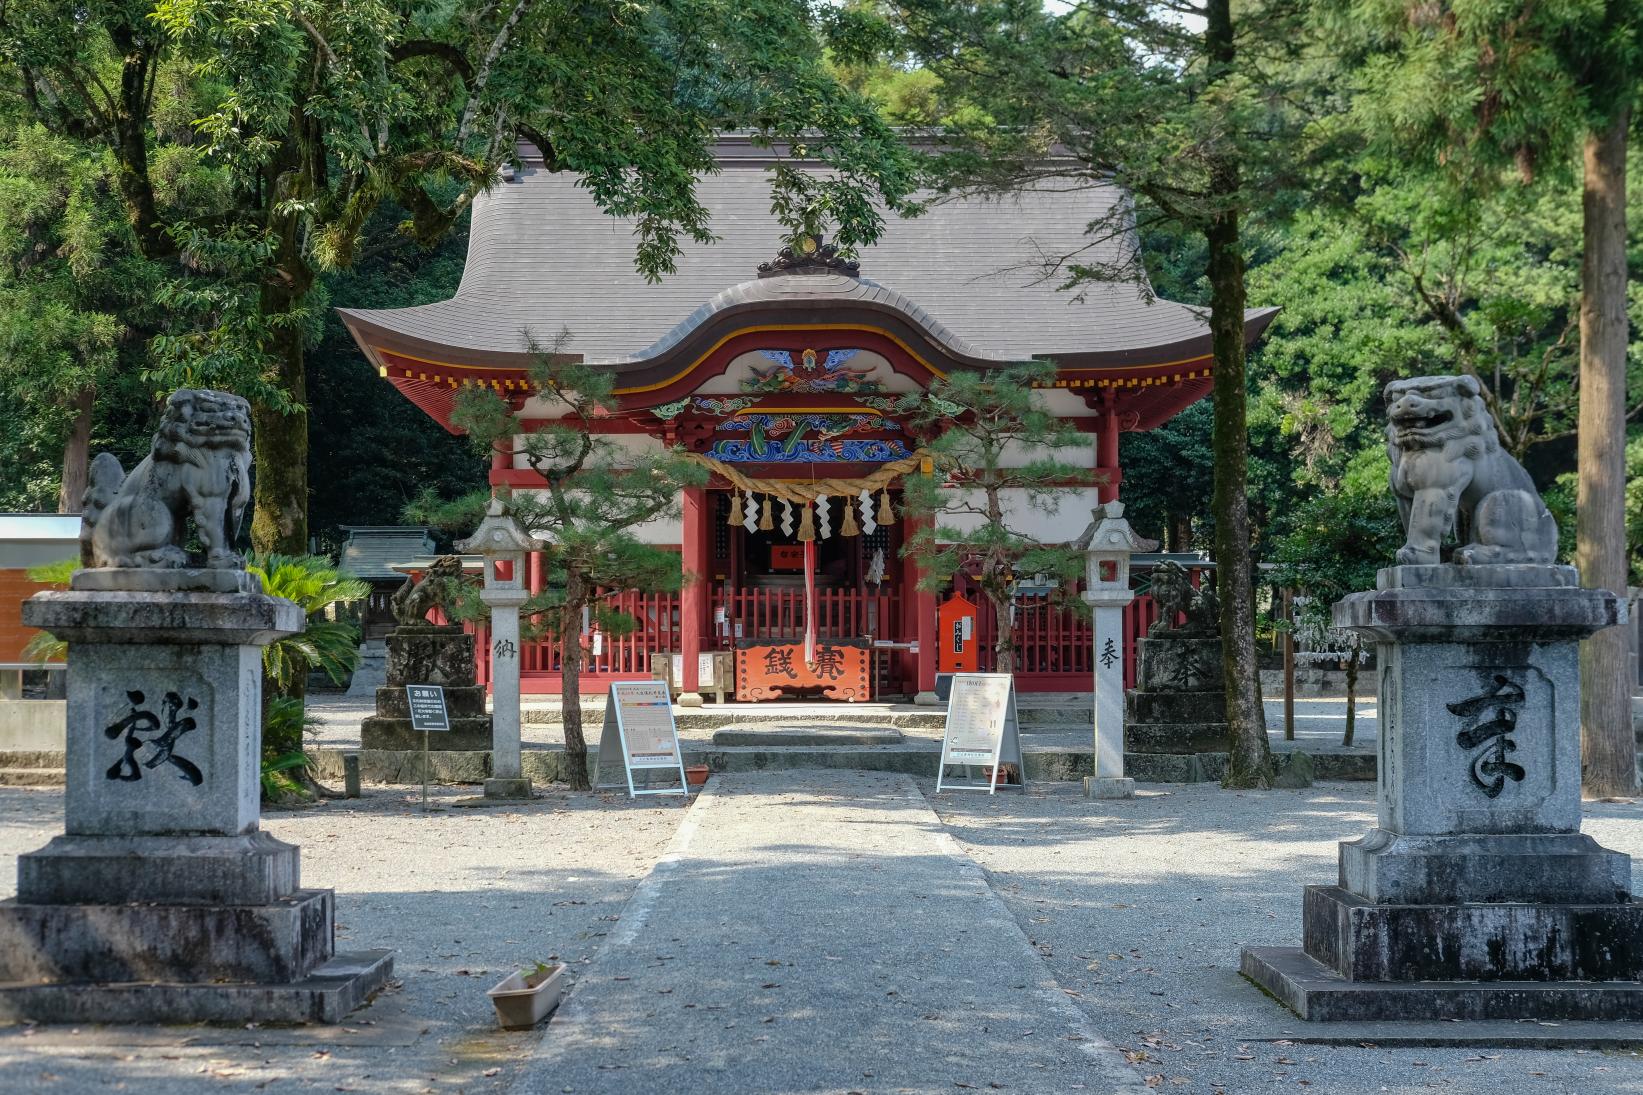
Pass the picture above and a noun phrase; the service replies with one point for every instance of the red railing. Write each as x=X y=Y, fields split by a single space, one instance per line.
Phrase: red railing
x=779 y=614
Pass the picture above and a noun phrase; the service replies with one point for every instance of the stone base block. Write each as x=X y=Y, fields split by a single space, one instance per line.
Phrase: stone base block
x=1364 y=941
x=501 y=788
x=467 y=734
x=1175 y=737
x=329 y=992
x=461 y=702
x=1518 y=867
x=1173 y=662
x=252 y=869
x=88 y=944
x=1177 y=707
x=1109 y=787
x=1317 y=993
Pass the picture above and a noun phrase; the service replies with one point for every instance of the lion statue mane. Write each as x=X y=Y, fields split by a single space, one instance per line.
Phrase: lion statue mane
x=413 y=601
x=199 y=467
x=1449 y=472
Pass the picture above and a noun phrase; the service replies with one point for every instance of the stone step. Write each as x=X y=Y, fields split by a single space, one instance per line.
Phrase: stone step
x=31 y=758
x=32 y=777
x=808 y=734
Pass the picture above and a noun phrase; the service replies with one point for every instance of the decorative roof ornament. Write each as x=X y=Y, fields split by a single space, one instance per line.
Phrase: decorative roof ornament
x=809 y=254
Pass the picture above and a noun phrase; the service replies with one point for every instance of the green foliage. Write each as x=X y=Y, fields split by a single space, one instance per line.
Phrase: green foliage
x=992 y=444
x=285 y=728
x=315 y=586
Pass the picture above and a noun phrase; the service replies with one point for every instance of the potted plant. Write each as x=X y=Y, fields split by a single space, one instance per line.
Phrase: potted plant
x=525 y=998
x=696 y=775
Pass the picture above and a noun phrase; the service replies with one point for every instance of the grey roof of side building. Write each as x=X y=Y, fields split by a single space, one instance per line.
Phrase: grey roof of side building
x=544 y=259
x=371 y=550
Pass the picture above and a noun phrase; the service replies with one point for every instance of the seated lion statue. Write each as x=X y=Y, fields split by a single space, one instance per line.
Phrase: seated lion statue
x=1449 y=472
x=414 y=600
x=199 y=468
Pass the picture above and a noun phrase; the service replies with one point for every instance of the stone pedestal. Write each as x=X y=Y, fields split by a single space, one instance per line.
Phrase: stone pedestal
x=441 y=654
x=162 y=901
x=508 y=779
x=1476 y=896
x=1109 y=780
x=1179 y=703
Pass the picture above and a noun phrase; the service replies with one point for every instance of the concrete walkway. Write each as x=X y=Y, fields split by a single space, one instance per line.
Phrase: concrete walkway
x=818 y=932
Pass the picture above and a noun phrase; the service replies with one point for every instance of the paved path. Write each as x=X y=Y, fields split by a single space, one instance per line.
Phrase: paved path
x=818 y=932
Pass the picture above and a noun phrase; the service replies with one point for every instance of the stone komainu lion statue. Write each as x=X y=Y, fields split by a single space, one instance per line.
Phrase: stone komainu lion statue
x=199 y=467
x=1173 y=592
x=1449 y=472
x=414 y=600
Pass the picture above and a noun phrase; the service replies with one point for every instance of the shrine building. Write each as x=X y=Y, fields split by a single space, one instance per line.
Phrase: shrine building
x=782 y=369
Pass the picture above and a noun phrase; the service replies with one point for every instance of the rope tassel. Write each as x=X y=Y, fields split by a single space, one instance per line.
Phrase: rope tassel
x=848 y=528
x=735 y=510
x=765 y=523
x=887 y=516
x=807 y=525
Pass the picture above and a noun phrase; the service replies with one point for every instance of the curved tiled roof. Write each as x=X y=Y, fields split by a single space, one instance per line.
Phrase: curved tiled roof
x=544 y=259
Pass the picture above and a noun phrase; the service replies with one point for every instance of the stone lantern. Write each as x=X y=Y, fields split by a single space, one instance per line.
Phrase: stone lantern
x=1107 y=591
x=505 y=545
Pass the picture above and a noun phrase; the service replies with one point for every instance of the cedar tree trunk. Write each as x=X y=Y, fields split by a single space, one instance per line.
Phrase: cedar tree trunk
x=1353 y=653
x=1249 y=763
x=1608 y=750
x=76 y=455
x=570 y=682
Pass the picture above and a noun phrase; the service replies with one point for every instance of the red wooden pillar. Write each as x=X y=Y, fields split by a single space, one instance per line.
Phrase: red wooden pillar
x=501 y=460
x=1106 y=452
x=694 y=610
x=922 y=607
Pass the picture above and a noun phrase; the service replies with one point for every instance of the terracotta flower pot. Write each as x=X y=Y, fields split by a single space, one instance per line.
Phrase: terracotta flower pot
x=696 y=775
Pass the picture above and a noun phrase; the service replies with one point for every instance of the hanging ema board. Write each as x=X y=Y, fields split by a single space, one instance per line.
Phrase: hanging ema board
x=640 y=736
x=982 y=730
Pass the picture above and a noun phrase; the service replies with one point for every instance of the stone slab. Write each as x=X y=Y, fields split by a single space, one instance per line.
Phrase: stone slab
x=808 y=735
x=1109 y=787
x=1523 y=867
x=87 y=944
x=511 y=790
x=250 y=869
x=96 y=616
x=1187 y=707
x=1175 y=737
x=1364 y=941
x=1317 y=993
x=1483 y=615
x=155 y=580
x=461 y=702
x=326 y=995
x=465 y=734
x=1477 y=576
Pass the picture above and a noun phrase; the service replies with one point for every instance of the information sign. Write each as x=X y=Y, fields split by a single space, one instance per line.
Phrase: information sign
x=640 y=735
x=982 y=729
x=427 y=707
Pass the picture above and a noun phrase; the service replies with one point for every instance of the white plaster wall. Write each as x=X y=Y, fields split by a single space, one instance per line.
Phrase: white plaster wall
x=615 y=445
x=666 y=530
x=1069 y=513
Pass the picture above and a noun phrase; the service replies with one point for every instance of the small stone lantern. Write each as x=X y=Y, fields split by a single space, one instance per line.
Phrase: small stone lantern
x=505 y=545
x=1107 y=591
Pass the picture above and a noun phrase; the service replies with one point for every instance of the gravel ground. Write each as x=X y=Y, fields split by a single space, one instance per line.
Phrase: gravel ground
x=462 y=896
x=1140 y=907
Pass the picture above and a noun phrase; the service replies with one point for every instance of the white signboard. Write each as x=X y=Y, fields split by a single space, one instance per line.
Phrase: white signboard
x=640 y=734
x=982 y=730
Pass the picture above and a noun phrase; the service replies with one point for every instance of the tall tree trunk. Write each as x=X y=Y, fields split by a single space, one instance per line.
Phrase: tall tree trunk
x=1249 y=762
x=1004 y=630
x=279 y=521
x=76 y=454
x=570 y=682
x=1353 y=654
x=1608 y=749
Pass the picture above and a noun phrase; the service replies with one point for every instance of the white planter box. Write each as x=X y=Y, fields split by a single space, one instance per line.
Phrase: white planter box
x=520 y=1006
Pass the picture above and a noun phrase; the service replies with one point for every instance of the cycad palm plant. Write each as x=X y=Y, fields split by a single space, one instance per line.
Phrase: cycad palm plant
x=314 y=585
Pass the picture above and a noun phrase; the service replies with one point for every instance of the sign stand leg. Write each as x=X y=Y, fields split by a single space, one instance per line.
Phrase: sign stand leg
x=424 y=771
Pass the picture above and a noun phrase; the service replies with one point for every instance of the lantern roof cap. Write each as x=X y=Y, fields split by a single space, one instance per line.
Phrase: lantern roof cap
x=498 y=533
x=1112 y=532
